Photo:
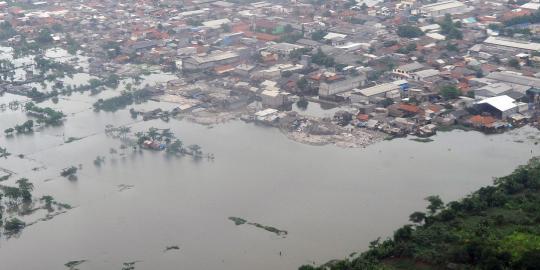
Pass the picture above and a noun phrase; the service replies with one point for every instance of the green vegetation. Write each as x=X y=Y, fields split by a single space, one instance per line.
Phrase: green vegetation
x=320 y=58
x=14 y=225
x=495 y=227
x=449 y=92
x=72 y=264
x=4 y=153
x=120 y=102
x=46 y=115
x=6 y=31
x=450 y=29
x=26 y=127
x=69 y=172
x=411 y=47
x=409 y=31
x=240 y=221
x=318 y=35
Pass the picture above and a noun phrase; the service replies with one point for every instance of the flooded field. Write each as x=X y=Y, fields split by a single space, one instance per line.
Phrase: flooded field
x=165 y=212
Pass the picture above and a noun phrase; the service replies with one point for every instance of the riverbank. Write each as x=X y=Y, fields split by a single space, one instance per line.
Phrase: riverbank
x=496 y=227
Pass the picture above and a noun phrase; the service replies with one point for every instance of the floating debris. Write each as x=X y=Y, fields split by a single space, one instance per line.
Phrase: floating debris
x=72 y=139
x=240 y=221
x=171 y=248
x=123 y=187
x=129 y=265
x=422 y=140
x=237 y=221
x=73 y=264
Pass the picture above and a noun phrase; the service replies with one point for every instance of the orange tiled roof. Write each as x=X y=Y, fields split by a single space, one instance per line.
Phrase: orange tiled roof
x=409 y=108
x=482 y=120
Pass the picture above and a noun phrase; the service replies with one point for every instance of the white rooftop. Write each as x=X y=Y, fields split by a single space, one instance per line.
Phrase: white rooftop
x=501 y=103
x=442 y=6
x=513 y=43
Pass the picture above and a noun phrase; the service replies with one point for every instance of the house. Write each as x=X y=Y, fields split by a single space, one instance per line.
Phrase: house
x=404 y=71
x=331 y=87
x=441 y=8
x=500 y=106
x=211 y=60
x=514 y=79
x=274 y=99
x=376 y=93
x=514 y=45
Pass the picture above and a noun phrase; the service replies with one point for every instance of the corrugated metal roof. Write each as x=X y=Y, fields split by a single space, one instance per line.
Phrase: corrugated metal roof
x=501 y=103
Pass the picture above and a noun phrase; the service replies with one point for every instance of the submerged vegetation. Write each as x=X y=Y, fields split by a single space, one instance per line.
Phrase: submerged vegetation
x=495 y=227
x=240 y=221
x=17 y=201
x=47 y=115
x=120 y=102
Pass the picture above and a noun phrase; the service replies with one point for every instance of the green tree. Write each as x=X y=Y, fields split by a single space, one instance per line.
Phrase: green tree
x=26 y=189
x=14 y=225
x=417 y=217
x=449 y=92
x=435 y=204
x=318 y=35
x=409 y=31
x=514 y=63
x=4 y=153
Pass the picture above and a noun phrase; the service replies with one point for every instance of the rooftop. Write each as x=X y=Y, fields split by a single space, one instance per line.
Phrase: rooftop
x=513 y=43
x=501 y=103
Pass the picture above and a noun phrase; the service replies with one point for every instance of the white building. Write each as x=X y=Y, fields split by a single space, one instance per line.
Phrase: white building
x=441 y=8
x=339 y=86
x=504 y=43
x=197 y=62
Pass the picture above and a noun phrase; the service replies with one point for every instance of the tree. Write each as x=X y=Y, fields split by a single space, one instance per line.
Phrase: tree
x=435 y=203
x=12 y=193
x=514 y=63
x=175 y=147
x=318 y=35
x=48 y=201
x=44 y=36
x=153 y=133
x=14 y=225
x=4 y=153
x=417 y=217
x=25 y=188
x=302 y=84
x=449 y=92
x=288 y=28
x=167 y=134
x=409 y=31
x=449 y=28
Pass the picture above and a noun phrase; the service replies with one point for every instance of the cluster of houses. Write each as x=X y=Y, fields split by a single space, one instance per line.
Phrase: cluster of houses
x=396 y=66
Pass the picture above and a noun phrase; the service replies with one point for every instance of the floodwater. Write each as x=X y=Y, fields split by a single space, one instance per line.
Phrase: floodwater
x=332 y=201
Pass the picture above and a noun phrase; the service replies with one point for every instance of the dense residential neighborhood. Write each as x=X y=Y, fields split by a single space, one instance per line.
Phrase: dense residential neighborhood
x=397 y=67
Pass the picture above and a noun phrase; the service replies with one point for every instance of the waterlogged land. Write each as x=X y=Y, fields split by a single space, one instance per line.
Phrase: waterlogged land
x=129 y=205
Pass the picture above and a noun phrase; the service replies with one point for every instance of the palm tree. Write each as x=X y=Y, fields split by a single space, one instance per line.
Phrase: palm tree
x=175 y=147
x=48 y=201
x=167 y=134
x=25 y=188
x=153 y=133
x=4 y=153
x=195 y=149
x=12 y=193
x=123 y=130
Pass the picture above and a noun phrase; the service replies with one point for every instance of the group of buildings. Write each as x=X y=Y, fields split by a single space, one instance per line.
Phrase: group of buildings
x=395 y=65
